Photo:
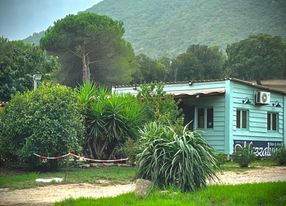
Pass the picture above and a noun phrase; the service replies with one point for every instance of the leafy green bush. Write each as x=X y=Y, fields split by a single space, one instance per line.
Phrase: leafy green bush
x=221 y=158
x=244 y=156
x=280 y=156
x=131 y=149
x=110 y=120
x=184 y=161
x=158 y=105
x=46 y=121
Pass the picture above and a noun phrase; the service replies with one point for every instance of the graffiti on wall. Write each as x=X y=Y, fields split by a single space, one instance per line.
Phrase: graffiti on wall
x=261 y=148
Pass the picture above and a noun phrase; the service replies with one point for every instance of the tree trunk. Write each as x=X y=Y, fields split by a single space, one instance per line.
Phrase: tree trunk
x=85 y=65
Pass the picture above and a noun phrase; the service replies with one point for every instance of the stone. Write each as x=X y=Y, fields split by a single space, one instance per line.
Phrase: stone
x=142 y=188
x=85 y=166
x=47 y=180
x=94 y=165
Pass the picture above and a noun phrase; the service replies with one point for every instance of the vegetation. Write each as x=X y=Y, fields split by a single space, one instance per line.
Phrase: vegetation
x=246 y=194
x=150 y=70
x=18 y=63
x=16 y=179
x=244 y=156
x=258 y=163
x=93 y=43
x=45 y=121
x=184 y=161
x=167 y=28
x=221 y=158
x=158 y=105
x=198 y=62
x=280 y=156
x=110 y=119
x=257 y=57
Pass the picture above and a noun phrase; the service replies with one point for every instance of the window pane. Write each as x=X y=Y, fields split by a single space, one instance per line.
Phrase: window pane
x=274 y=122
x=201 y=119
x=268 y=121
x=237 y=118
x=244 y=119
x=210 y=117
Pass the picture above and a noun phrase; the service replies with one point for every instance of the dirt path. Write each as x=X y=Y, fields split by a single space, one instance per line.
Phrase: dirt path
x=49 y=194
x=263 y=174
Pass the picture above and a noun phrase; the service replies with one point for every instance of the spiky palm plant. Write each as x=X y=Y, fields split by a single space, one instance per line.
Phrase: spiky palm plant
x=184 y=161
x=110 y=120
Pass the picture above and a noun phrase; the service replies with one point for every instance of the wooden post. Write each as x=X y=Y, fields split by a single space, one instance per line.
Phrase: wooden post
x=66 y=169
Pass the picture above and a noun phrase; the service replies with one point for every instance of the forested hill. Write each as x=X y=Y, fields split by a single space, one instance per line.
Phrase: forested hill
x=168 y=27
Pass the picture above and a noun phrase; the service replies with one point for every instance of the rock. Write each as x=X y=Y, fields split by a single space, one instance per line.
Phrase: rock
x=4 y=189
x=143 y=188
x=85 y=166
x=94 y=165
x=47 y=180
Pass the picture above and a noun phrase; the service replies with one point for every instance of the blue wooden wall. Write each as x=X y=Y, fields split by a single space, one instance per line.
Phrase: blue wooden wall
x=224 y=132
x=257 y=119
x=216 y=135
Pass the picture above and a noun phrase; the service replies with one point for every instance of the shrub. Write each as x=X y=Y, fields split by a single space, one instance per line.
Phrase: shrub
x=110 y=120
x=46 y=121
x=131 y=149
x=221 y=158
x=184 y=161
x=157 y=104
x=280 y=156
x=244 y=156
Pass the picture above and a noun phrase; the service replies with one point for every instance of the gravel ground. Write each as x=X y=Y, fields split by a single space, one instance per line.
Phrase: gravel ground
x=49 y=194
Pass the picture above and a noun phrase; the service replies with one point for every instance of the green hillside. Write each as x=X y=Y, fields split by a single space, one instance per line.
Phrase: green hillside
x=168 y=27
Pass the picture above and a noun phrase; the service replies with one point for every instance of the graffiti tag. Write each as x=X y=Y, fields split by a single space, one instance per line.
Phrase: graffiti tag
x=261 y=148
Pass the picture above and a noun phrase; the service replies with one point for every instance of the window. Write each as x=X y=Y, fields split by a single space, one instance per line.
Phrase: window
x=272 y=120
x=241 y=119
x=205 y=117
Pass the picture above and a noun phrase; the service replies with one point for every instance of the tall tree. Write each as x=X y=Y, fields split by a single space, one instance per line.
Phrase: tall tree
x=257 y=57
x=96 y=42
x=18 y=63
x=198 y=62
x=149 y=70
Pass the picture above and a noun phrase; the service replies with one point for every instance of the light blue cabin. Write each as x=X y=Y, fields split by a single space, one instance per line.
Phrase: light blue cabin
x=231 y=113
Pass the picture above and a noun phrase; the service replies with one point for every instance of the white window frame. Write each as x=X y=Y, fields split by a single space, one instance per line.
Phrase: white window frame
x=240 y=110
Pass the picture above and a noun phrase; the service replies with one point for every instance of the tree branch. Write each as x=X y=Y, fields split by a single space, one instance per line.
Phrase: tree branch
x=74 y=53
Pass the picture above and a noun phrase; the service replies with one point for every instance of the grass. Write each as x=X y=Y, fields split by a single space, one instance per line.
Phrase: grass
x=15 y=179
x=260 y=194
x=19 y=179
x=232 y=166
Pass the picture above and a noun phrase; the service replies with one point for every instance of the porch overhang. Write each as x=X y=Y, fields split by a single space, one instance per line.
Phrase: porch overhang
x=198 y=93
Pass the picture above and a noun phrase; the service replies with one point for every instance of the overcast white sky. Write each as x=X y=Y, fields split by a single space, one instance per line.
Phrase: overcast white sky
x=21 y=18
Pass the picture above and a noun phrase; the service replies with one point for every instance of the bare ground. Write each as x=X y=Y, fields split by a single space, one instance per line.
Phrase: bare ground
x=50 y=194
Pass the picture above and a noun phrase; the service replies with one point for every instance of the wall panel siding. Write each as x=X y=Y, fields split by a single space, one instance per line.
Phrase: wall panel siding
x=257 y=115
x=215 y=136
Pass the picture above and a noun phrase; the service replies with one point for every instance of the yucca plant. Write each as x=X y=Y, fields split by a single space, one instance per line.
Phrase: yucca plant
x=110 y=120
x=185 y=161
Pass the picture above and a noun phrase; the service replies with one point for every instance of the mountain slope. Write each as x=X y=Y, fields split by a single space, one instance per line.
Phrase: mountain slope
x=166 y=28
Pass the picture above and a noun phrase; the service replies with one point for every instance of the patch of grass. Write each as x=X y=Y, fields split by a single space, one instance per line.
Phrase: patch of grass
x=19 y=180
x=247 y=195
x=232 y=166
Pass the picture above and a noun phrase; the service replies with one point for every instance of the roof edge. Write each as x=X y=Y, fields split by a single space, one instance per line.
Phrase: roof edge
x=252 y=84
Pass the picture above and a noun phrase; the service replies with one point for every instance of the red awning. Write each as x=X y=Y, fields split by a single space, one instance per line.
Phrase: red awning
x=198 y=93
